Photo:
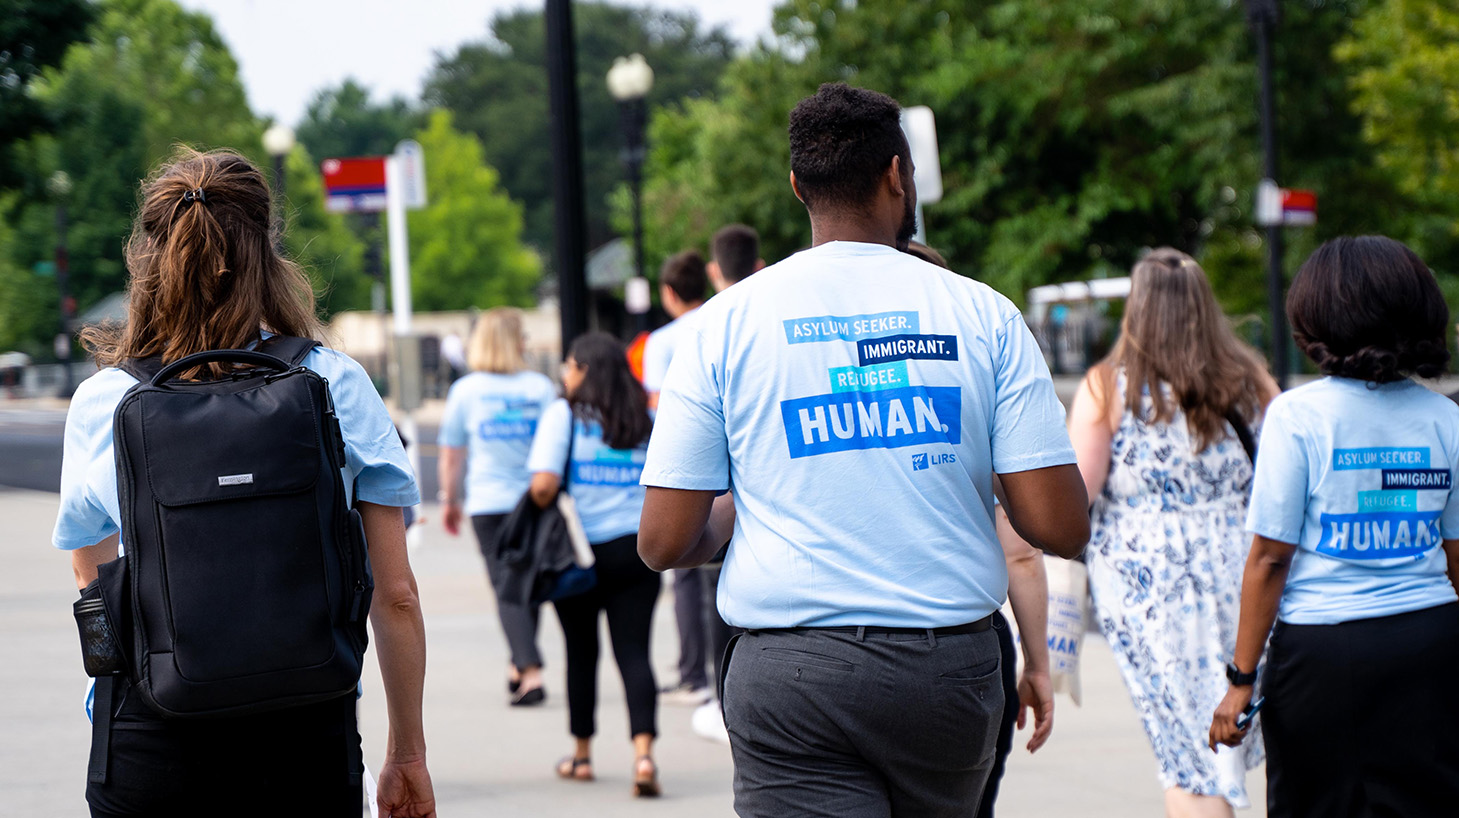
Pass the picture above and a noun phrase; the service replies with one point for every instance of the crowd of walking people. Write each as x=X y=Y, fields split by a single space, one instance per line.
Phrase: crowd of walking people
x=850 y=460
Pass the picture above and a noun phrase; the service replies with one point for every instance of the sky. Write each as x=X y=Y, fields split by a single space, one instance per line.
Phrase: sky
x=289 y=49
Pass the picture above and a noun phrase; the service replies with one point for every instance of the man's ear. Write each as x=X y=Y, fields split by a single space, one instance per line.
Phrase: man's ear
x=894 y=177
x=795 y=188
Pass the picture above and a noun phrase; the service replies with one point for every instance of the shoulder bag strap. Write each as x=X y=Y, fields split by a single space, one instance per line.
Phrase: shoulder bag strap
x=572 y=434
x=1243 y=433
x=288 y=348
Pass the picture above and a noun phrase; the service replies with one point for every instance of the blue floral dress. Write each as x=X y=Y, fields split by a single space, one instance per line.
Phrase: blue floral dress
x=1166 y=557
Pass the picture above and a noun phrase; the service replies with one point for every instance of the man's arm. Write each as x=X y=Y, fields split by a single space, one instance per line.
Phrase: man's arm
x=400 y=644
x=671 y=528
x=1049 y=508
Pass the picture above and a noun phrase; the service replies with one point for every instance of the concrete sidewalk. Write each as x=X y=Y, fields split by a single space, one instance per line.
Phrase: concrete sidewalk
x=486 y=758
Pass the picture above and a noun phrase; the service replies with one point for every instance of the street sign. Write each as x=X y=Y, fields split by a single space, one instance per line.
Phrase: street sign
x=354 y=185
x=412 y=173
x=1281 y=206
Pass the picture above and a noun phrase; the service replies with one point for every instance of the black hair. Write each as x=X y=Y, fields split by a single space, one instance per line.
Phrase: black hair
x=841 y=141
x=609 y=394
x=684 y=273
x=1368 y=308
x=736 y=248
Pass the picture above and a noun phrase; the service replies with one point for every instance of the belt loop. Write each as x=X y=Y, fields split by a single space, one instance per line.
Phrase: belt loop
x=861 y=634
x=931 y=637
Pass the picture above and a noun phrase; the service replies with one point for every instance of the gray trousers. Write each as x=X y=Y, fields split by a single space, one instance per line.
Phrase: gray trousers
x=519 y=622
x=873 y=726
x=689 y=616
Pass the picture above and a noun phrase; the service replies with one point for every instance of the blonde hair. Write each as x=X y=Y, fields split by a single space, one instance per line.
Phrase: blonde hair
x=1174 y=334
x=496 y=342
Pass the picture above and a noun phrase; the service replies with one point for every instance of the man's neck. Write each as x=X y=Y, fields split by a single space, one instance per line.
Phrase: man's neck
x=851 y=227
x=684 y=309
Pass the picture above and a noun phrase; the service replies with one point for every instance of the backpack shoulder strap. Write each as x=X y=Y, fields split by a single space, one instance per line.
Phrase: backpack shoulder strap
x=288 y=348
x=1243 y=433
x=143 y=369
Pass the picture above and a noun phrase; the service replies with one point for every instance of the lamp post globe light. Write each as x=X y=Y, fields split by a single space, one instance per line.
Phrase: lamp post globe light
x=278 y=140
x=629 y=81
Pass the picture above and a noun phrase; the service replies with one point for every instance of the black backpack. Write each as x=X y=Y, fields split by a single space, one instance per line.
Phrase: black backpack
x=246 y=581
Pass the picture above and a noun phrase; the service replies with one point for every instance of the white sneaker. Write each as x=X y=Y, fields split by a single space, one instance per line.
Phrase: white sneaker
x=687 y=696
x=708 y=722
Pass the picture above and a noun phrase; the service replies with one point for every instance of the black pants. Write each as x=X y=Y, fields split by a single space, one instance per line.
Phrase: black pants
x=1362 y=718
x=519 y=622
x=626 y=591
x=302 y=760
x=1008 y=653
x=717 y=631
x=885 y=726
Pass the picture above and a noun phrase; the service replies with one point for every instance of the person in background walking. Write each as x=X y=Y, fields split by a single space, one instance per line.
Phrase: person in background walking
x=205 y=274
x=490 y=419
x=1155 y=425
x=604 y=424
x=1355 y=551
x=682 y=284
x=859 y=401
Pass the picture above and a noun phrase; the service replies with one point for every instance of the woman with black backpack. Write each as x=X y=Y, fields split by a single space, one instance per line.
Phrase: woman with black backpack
x=206 y=275
x=598 y=438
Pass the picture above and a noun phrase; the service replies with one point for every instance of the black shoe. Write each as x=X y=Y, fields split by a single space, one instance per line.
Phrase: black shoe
x=528 y=698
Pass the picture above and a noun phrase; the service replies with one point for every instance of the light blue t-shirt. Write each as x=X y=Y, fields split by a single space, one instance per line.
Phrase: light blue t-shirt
x=90 y=511
x=603 y=481
x=858 y=401
x=495 y=416
x=1360 y=479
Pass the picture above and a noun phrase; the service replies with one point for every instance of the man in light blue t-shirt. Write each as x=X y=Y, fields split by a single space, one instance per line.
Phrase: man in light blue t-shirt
x=859 y=401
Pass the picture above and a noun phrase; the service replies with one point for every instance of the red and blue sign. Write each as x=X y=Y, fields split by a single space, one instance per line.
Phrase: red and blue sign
x=354 y=185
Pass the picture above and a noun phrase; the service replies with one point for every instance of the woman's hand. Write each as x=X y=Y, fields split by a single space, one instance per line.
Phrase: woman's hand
x=1036 y=695
x=1223 y=723
x=451 y=516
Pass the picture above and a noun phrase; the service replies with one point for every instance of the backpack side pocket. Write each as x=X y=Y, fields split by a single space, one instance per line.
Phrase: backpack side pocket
x=101 y=650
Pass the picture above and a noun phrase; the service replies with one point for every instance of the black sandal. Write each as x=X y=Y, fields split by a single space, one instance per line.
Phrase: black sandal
x=528 y=698
x=646 y=787
x=568 y=767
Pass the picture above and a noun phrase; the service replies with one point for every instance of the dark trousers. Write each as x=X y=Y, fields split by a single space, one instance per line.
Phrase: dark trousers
x=717 y=632
x=1008 y=653
x=1362 y=718
x=689 y=617
x=519 y=622
x=835 y=725
x=304 y=760
x=626 y=591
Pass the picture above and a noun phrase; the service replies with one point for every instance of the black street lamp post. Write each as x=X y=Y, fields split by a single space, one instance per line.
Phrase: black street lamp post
x=629 y=81
x=60 y=187
x=1264 y=16
x=567 y=172
x=278 y=140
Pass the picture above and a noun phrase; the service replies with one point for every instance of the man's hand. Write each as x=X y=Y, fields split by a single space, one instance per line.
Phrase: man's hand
x=1223 y=723
x=451 y=518
x=1036 y=693
x=404 y=790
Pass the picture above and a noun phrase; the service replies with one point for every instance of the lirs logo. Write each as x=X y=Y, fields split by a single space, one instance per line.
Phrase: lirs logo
x=926 y=460
x=919 y=461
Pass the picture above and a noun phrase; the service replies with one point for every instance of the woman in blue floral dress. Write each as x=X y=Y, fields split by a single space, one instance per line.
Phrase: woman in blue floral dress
x=1169 y=479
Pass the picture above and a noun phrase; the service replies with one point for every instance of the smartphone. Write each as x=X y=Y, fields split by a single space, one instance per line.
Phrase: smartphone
x=1243 y=721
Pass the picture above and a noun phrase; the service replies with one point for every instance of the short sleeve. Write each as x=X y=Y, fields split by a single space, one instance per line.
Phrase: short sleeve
x=82 y=520
x=1449 y=520
x=658 y=354
x=1279 y=489
x=689 y=448
x=373 y=450
x=1029 y=431
x=549 y=444
x=453 y=422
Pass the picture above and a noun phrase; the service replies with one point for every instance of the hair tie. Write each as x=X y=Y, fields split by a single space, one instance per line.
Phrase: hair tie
x=195 y=195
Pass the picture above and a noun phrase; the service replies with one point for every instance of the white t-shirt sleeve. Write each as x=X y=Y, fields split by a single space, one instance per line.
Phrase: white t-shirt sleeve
x=549 y=444
x=658 y=353
x=1449 y=520
x=82 y=520
x=453 y=422
x=1279 y=490
x=689 y=448
x=373 y=449
x=1028 y=419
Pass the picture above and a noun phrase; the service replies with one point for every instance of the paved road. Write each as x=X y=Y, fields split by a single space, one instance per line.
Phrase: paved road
x=489 y=759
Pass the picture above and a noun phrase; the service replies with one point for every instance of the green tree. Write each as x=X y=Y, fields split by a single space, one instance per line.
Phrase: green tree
x=343 y=121
x=498 y=91
x=466 y=244
x=34 y=34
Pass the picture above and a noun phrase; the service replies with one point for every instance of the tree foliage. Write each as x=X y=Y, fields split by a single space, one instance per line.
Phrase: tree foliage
x=34 y=34
x=498 y=90
x=466 y=244
x=343 y=121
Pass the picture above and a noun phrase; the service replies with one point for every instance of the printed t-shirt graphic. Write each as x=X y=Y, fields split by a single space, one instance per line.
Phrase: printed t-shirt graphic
x=495 y=417
x=1378 y=462
x=858 y=400
x=604 y=481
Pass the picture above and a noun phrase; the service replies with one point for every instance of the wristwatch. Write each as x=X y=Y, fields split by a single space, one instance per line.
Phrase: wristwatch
x=1237 y=678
